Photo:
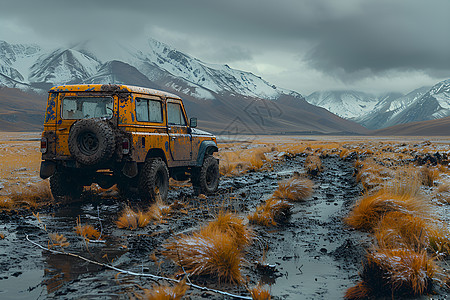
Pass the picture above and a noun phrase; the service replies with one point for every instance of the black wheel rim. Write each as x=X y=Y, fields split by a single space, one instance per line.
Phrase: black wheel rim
x=88 y=143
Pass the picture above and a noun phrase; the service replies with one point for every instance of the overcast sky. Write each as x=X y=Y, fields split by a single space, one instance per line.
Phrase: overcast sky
x=303 y=45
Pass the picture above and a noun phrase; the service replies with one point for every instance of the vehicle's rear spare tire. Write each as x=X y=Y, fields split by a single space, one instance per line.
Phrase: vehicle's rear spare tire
x=154 y=180
x=91 y=141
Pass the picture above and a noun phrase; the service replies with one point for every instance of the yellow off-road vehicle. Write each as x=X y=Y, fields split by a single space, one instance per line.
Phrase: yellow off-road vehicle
x=130 y=136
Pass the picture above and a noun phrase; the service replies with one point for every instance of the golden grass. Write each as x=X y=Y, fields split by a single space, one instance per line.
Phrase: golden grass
x=369 y=210
x=208 y=252
x=237 y=159
x=439 y=239
x=132 y=219
x=257 y=160
x=164 y=292
x=232 y=225
x=399 y=271
x=260 y=293
x=28 y=196
x=57 y=240
x=216 y=249
x=443 y=193
x=294 y=189
x=370 y=174
x=397 y=229
x=6 y=202
x=429 y=175
x=272 y=212
x=358 y=292
x=313 y=165
x=88 y=232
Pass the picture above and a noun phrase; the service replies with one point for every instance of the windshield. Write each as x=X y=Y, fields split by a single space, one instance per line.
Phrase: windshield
x=87 y=107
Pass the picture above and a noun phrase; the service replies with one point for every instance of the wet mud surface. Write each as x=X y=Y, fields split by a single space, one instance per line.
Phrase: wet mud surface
x=312 y=256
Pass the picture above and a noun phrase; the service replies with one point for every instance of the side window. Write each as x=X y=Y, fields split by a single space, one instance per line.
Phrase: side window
x=175 y=114
x=149 y=110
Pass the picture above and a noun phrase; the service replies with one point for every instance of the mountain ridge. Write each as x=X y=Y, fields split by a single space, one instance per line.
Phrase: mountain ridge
x=222 y=94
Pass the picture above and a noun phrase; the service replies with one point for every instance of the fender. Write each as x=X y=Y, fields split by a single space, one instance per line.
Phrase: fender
x=206 y=147
x=48 y=168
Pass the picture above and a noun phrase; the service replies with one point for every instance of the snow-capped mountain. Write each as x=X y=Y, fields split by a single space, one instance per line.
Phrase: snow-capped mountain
x=375 y=112
x=388 y=110
x=346 y=104
x=435 y=104
x=157 y=61
x=227 y=100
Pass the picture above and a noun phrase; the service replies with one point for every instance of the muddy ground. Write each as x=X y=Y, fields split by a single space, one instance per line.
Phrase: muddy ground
x=314 y=255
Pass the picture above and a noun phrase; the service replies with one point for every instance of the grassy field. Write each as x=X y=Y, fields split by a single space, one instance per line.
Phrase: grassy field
x=404 y=206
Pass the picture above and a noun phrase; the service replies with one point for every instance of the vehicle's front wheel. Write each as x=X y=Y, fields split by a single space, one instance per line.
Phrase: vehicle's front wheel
x=65 y=186
x=205 y=180
x=154 y=180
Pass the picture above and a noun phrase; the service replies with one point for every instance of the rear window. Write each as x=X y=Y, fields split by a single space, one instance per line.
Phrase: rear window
x=87 y=107
x=149 y=110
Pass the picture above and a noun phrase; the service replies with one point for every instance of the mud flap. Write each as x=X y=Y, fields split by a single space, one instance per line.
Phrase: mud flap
x=48 y=168
x=130 y=169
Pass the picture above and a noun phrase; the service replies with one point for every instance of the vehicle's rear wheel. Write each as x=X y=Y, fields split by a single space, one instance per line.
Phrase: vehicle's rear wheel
x=205 y=180
x=91 y=141
x=154 y=180
x=65 y=186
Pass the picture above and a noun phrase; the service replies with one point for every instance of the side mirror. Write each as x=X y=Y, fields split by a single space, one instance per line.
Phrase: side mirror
x=193 y=122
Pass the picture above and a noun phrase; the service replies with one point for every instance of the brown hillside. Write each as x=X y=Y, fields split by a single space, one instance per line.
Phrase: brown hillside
x=21 y=111
x=226 y=115
x=438 y=127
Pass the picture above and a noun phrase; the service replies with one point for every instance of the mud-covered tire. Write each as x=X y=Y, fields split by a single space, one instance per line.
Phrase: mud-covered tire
x=153 y=176
x=65 y=187
x=91 y=141
x=205 y=180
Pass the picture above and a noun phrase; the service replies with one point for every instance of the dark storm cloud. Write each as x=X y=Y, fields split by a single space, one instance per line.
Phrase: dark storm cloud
x=347 y=38
x=386 y=35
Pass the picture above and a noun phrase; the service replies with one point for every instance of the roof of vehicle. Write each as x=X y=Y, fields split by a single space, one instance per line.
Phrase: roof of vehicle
x=111 y=88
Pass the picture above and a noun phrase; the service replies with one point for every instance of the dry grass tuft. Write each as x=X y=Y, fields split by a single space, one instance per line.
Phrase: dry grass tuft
x=165 y=292
x=369 y=210
x=406 y=182
x=399 y=230
x=31 y=196
x=232 y=225
x=6 y=203
x=399 y=272
x=88 y=232
x=260 y=293
x=442 y=193
x=130 y=219
x=358 y=292
x=429 y=176
x=257 y=160
x=294 y=189
x=439 y=239
x=209 y=252
x=57 y=240
x=313 y=165
x=273 y=211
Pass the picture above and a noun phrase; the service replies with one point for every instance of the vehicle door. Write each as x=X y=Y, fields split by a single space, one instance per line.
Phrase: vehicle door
x=179 y=133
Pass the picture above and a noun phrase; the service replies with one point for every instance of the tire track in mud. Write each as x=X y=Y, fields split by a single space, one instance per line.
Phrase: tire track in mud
x=316 y=256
